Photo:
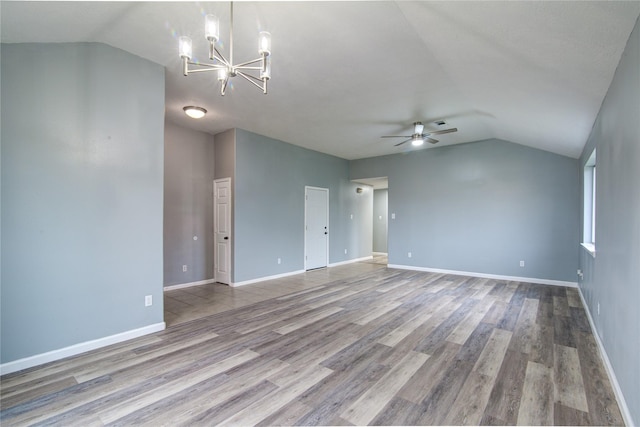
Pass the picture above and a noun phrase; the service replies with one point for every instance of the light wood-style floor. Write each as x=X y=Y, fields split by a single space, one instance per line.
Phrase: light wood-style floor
x=183 y=305
x=357 y=344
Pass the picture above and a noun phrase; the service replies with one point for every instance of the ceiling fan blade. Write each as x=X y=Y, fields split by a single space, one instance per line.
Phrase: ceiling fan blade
x=440 y=132
x=431 y=140
x=403 y=142
x=396 y=136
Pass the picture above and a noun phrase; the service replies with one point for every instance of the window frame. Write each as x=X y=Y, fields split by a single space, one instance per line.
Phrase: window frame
x=589 y=211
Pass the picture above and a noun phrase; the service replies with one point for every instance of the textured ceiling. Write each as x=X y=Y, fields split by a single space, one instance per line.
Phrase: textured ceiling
x=345 y=73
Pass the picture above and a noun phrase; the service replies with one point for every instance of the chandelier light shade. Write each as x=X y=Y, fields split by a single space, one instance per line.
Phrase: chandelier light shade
x=185 y=47
x=195 y=112
x=212 y=28
x=264 y=43
x=256 y=71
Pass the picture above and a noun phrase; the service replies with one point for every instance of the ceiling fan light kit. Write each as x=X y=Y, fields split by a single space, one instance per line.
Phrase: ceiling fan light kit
x=256 y=71
x=418 y=137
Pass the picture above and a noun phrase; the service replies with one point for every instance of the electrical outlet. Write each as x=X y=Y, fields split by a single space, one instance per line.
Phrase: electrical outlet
x=409 y=254
x=598 y=309
x=393 y=216
x=148 y=300
x=279 y=261
x=521 y=263
x=345 y=251
x=351 y=216
x=184 y=268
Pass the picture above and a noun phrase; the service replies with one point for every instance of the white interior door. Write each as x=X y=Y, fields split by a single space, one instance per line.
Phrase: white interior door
x=222 y=229
x=316 y=227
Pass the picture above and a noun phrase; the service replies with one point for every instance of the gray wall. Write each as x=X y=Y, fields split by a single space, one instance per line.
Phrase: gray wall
x=188 y=205
x=269 y=207
x=482 y=207
x=225 y=167
x=611 y=278
x=225 y=155
x=82 y=166
x=380 y=224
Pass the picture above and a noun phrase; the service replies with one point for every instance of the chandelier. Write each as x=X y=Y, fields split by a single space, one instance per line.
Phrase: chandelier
x=256 y=71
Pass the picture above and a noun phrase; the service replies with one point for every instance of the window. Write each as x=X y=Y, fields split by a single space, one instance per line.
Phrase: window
x=589 y=230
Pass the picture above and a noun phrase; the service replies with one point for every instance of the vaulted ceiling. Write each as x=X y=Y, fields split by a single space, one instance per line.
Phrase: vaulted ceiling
x=345 y=73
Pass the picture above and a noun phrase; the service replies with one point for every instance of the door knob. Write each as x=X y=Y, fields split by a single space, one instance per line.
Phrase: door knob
x=226 y=237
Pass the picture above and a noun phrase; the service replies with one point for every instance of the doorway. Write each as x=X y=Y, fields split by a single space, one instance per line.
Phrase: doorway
x=222 y=230
x=380 y=221
x=316 y=227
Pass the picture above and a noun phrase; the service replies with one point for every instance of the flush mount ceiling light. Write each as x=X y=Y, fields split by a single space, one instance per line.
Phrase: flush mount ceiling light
x=258 y=74
x=195 y=112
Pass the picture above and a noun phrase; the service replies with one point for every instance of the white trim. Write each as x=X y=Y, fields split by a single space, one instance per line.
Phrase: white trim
x=262 y=279
x=589 y=247
x=622 y=404
x=188 y=285
x=379 y=253
x=488 y=276
x=293 y=273
x=50 y=356
x=349 y=261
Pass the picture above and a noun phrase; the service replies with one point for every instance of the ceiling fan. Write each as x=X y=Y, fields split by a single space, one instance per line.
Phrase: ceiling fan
x=418 y=138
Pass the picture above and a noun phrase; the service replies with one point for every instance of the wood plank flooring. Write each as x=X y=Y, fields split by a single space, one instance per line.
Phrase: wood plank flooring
x=353 y=345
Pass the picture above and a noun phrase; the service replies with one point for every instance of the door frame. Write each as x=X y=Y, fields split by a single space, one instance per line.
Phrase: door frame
x=304 y=257
x=215 y=218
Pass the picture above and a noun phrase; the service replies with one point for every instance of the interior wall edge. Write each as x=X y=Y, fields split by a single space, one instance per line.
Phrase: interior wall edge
x=488 y=276
x=265 y=278
x=349 y=261
x=622 y=403
x=52 y=356
x=189 y=284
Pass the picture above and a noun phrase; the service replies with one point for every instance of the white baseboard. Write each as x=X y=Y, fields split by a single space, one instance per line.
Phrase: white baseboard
x=262 y=279
x=350 y=261
x=188 y=285
x=50 y=356
x=293 y=273
x=488 y=276
x=622 y=404
x=379 y=253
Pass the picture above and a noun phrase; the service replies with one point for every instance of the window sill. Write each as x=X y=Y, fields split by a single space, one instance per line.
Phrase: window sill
x=590 y=247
